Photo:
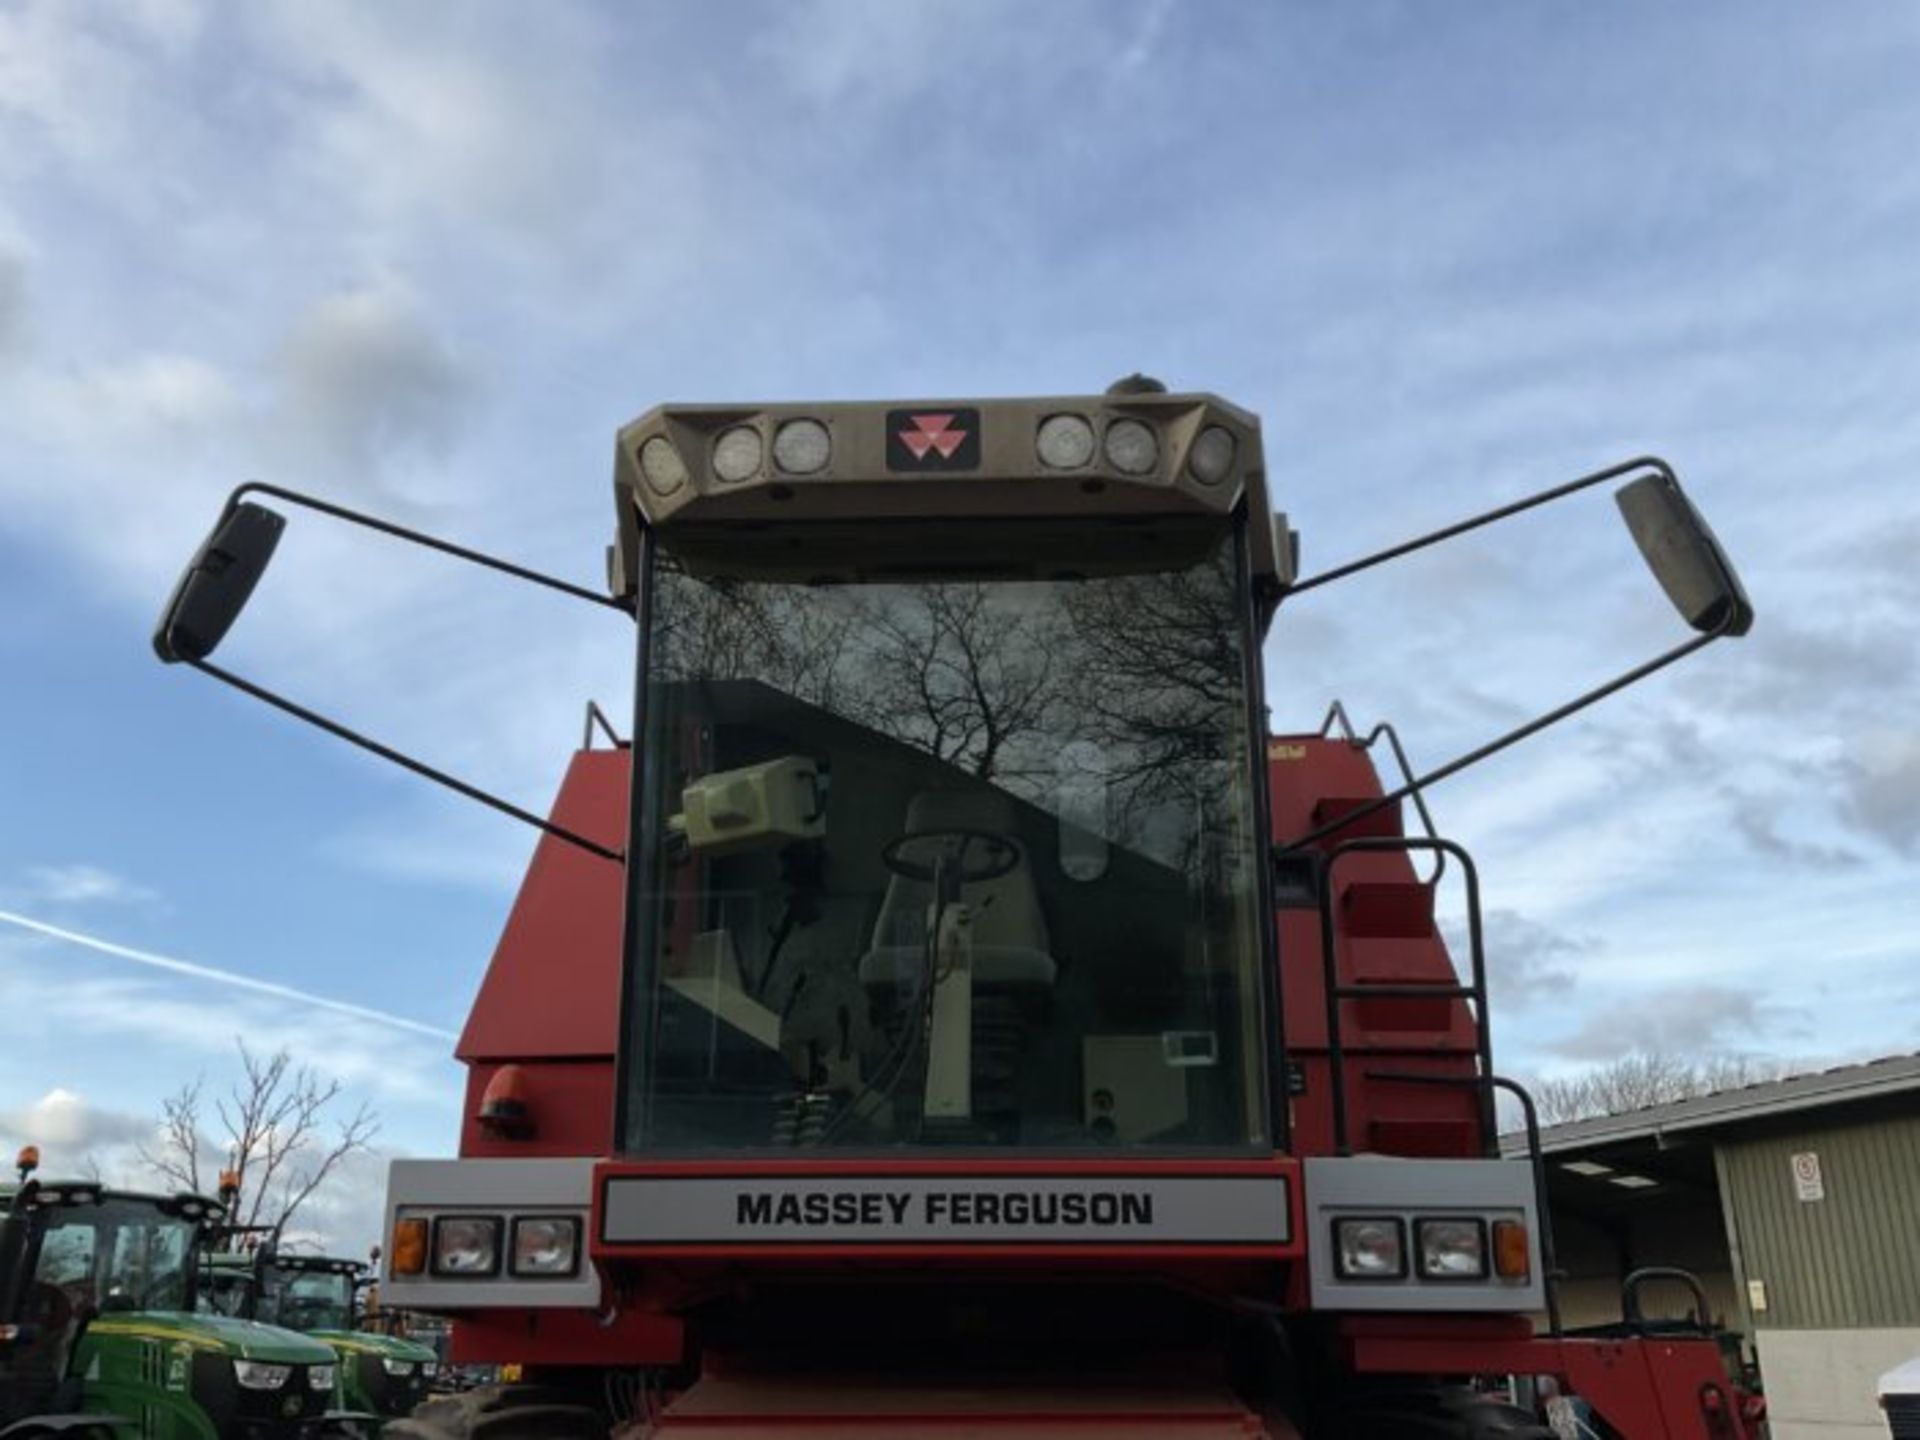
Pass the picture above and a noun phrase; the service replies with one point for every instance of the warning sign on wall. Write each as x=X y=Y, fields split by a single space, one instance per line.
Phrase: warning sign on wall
x=1807 y=1184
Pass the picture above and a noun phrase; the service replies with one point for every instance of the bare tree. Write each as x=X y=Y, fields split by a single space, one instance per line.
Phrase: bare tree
x=271 y=1130
x=952 y=672
x=1644 y=1078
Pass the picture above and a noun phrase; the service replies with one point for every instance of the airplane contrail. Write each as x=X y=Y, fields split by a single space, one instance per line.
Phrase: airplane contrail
x=225 y=977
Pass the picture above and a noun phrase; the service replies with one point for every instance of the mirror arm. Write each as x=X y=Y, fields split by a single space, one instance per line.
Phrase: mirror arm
x=431 y=542
x=1545 y=497
x=1512 y=737
x=419 y=767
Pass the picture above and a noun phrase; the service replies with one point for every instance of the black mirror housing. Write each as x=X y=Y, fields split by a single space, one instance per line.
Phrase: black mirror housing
x=218 y=582
x=1684 y=556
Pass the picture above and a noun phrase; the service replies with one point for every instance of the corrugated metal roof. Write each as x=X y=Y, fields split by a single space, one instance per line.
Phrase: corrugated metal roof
x=1842 y=1085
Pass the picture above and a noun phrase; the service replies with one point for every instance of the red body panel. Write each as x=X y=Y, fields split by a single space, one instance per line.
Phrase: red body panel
x=553 y=988
x=1674 y=1387
x=727 y=1406
x=566 y=1337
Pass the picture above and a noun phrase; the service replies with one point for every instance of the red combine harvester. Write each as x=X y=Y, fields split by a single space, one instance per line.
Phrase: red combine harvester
x=966 y=1019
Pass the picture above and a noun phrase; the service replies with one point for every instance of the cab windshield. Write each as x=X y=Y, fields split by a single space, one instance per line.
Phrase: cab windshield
x=299 y=1299
x=958 y=858
x=117 y=1255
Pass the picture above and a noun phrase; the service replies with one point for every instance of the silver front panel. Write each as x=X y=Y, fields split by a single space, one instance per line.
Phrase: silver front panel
x=1379 y=1185
x=947 y=1210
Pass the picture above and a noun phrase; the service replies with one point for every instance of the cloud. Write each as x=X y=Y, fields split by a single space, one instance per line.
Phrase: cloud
x=1757 y=819
x=1526 y=960
x=67 y=1126
x=82 y=884
x=112 y=1027
x=13 y=303
x=1679 y=1020
x=80 y=1137
x=225 y=978
x=1881 y=775
x=367 y=379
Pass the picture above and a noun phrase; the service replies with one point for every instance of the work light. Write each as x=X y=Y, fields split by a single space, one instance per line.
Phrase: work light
x=736 y=454
x=1132 y=447
x=1065 y=442
x=801 y=447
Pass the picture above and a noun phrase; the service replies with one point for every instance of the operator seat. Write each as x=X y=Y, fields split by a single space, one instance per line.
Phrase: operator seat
x=1009 y=932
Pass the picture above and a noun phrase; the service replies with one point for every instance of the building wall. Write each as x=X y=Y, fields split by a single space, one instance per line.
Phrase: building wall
x=1848 y=1261
x=1820 y=1383
x=1841 y=1274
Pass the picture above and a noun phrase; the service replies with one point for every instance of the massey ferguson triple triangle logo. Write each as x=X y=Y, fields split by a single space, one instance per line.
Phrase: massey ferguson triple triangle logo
x=937 y=438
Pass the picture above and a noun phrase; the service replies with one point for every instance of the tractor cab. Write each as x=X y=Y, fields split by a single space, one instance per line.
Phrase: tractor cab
x=951 y=832
x=97 y=1292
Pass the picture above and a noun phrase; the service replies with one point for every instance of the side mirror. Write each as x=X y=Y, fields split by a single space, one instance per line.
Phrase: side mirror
x=1684 y=556
x=217 y=583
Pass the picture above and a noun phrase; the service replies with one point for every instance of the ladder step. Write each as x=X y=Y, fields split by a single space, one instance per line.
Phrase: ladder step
x=1422 y=1137
x=1387 y=910
x=1384 y=822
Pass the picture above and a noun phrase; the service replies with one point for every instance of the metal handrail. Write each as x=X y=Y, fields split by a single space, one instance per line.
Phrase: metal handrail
x=1337 y=717
x=1475 y=989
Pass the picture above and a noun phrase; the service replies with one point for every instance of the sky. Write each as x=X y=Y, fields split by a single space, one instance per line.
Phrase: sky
x=426 y=259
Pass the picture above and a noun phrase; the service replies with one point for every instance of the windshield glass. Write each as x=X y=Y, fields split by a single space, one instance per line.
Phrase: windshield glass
x=950 y=862
x=119 y=1255
x=308 y=1299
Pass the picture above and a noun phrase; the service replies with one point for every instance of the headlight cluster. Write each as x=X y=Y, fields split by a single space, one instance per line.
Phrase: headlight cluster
x=739 y=453
x=399 y=1369
x=470 y=1246
x=260 y=1375
x=1132 y=446
x=320 y=1377
x=1448 y=1247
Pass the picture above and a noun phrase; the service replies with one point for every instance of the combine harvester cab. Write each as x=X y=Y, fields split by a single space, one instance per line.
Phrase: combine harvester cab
x=964 y=1017
x=99 y=1336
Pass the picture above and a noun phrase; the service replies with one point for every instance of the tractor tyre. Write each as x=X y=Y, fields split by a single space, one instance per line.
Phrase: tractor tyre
x=501 y=1412
x=1447 y=1414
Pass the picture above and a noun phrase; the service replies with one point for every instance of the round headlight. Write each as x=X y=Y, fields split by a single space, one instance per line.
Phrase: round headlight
x=736 y=454
x=662 y=466
x=1065 y=442
x=800 y=447
x=1132 y=447
x=1212 y=455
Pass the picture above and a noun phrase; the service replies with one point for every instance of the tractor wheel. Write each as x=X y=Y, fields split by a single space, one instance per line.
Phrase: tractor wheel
x=1448 y=1414
x=501 y=1412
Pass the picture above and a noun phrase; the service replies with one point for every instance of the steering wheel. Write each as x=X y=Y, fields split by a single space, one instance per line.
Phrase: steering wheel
x=1002 y=855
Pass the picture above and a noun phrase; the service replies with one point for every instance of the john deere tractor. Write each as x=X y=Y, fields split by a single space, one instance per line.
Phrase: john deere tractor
x=99 y=1338
x=381 y=1376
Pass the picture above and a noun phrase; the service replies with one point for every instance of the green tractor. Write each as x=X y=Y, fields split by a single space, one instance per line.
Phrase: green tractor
x=99 y=1338
x=382 y=1377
